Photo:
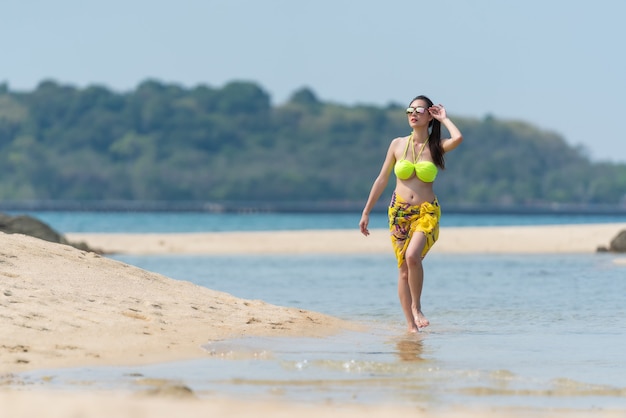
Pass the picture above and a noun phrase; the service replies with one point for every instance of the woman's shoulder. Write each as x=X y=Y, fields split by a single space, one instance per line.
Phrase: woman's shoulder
x=399 y=139
x=396 y=146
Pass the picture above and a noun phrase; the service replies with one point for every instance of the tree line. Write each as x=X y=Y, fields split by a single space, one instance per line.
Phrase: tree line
x=165 y=142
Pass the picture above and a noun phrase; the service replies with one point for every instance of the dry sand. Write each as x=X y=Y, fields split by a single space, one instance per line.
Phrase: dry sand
x=63 y=307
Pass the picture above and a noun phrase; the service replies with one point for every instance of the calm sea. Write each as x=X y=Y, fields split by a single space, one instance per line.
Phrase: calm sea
x=138 y=222
x=506 y=330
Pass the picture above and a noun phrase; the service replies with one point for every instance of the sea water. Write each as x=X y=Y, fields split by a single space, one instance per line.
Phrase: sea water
x=165 y=222
x=508 y=330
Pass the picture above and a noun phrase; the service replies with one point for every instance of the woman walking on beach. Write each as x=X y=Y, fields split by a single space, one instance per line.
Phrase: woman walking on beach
x=415 y=160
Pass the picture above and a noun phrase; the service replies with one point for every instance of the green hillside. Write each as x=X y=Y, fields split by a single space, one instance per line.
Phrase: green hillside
x=163 y=142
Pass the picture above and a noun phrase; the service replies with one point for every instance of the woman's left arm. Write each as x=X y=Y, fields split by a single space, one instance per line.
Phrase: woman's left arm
x=456 y=137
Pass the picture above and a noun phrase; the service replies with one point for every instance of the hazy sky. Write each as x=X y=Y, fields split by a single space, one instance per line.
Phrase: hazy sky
x=560 y=65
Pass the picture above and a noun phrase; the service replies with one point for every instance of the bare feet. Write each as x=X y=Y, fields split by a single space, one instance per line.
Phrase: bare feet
x=420 y=319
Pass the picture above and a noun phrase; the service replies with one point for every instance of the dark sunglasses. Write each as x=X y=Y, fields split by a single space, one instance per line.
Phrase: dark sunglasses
x=410 y=110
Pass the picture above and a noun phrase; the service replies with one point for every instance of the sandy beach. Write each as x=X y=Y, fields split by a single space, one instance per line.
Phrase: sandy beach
x=584 y=238
x=62 y=307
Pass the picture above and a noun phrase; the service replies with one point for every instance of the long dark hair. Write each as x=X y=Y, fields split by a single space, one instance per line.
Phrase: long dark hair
x=434 y=142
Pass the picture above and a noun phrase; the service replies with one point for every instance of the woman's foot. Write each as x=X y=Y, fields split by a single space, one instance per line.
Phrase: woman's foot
x=413 y=329
x=420 y=319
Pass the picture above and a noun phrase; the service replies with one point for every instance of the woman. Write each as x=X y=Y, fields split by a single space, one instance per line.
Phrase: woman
x=414 y=211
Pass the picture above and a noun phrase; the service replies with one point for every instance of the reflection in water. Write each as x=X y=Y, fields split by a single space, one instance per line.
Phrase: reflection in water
x=365 y=368
x=410 y=348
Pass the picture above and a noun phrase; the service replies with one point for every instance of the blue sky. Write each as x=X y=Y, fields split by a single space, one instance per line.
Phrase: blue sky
x=559 y=65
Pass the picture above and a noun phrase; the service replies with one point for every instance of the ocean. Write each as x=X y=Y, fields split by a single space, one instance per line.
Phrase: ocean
x=544 y=331
x=164 y=222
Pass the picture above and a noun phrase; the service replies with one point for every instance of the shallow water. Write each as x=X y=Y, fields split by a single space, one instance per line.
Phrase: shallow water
x=511 y=330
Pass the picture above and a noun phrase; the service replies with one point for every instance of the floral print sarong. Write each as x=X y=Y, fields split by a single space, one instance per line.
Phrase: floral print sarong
x=405 y=219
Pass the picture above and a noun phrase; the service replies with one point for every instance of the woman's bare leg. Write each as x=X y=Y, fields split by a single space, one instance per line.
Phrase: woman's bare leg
x=404 y=294
x=416 y=277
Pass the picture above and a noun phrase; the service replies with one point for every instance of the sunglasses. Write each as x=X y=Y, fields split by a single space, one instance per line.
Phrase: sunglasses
x=410 y=110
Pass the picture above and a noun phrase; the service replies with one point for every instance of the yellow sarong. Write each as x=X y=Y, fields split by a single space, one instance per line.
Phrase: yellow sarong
x=405 y=219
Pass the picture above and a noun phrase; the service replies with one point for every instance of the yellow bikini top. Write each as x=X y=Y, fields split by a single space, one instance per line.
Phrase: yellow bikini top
x=424 y=170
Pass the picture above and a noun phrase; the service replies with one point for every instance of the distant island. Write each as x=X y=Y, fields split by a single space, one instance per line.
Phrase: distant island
x=220 y=149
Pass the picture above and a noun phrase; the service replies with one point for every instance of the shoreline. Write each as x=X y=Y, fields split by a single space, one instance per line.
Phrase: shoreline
x=543 y=239
x=93 y=404
x=63 y=308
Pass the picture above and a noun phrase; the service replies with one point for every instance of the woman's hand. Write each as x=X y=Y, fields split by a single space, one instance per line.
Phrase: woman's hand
x=438 y=112
x=365 y=220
